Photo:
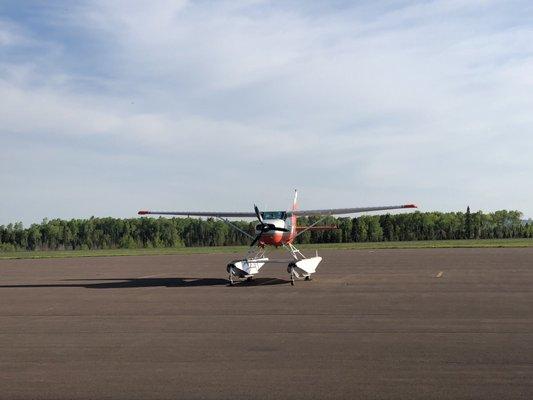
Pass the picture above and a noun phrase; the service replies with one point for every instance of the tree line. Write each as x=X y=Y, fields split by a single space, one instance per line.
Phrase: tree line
x=110 y=233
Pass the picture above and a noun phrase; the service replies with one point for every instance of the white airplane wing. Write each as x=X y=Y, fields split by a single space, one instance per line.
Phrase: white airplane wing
x=200 y=213
x=299 y=213
x=340 y=211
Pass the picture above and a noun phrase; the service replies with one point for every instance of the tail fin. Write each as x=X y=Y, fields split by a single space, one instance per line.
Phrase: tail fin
x=295 y=201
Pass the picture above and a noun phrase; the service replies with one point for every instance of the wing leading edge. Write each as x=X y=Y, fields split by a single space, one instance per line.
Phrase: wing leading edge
x=299 y=213
x=200 y=213
x=340 y=211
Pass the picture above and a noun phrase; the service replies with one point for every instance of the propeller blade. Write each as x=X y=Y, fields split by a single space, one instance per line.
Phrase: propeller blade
x=264 y=228
x=258 y=214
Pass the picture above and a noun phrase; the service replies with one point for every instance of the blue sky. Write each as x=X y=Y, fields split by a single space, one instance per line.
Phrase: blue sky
x=107 y=107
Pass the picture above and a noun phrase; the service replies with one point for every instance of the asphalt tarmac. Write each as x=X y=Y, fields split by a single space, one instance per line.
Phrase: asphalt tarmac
x=373 y=324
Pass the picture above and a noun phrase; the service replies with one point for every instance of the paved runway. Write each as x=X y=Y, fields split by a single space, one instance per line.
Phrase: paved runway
x=383 y=324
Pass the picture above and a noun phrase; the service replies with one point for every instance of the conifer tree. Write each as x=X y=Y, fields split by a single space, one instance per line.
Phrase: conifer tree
x=468 y=224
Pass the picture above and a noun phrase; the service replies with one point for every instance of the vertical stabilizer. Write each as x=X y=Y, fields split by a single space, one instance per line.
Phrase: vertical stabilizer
x=293 y=216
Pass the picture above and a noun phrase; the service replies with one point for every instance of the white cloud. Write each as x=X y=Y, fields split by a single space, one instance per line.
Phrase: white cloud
x=429 y=102
x=11 y=35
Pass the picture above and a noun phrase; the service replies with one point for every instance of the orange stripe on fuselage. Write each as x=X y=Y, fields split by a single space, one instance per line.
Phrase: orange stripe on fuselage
x=272 y=239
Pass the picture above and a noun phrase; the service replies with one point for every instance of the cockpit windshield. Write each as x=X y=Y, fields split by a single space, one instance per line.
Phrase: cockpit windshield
x=273 y=215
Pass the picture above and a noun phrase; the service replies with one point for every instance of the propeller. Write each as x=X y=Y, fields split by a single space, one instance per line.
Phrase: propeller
x=264 y=228
x=258 y=214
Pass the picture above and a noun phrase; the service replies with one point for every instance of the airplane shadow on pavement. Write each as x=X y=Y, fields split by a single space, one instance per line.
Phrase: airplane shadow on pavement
x=125 y=283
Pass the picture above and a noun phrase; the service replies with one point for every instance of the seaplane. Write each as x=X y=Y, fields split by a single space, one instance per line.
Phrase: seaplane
x=276 y=229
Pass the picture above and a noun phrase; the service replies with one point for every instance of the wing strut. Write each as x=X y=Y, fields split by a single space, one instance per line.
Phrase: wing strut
x=227 y=221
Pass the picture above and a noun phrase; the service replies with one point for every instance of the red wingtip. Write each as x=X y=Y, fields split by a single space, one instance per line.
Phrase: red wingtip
x=410 y=206
x=143 y=212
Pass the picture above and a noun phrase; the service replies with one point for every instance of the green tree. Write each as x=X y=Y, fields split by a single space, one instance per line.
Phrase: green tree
x=387 y=226
x=374 y=230
x=359 y=229
x=468 y=224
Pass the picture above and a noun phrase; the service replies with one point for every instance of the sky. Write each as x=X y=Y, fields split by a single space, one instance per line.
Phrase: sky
x=108 y=107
